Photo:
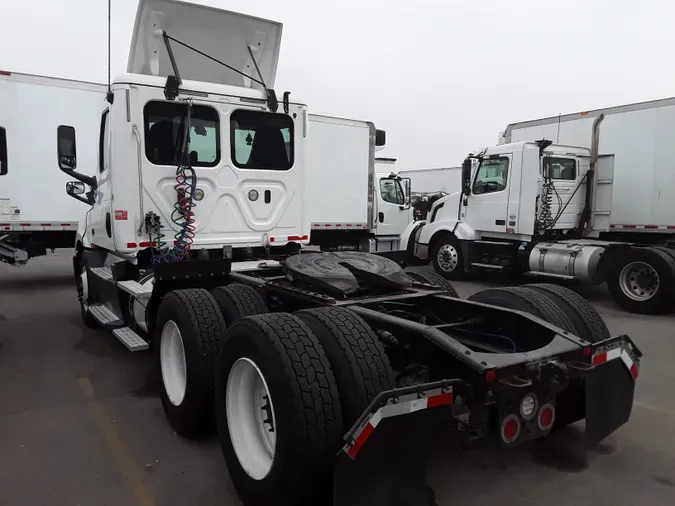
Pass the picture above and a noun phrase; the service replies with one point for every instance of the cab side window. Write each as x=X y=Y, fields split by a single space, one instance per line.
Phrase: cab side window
x=391 y=191
x=491 y=176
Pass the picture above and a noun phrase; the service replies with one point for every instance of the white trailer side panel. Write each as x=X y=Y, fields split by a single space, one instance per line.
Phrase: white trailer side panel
x=446 y=179
x=340 y=161
x=31 y=109
x=642 y=141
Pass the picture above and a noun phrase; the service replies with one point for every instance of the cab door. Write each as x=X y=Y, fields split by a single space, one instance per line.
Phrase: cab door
x=488 y=202
x=393 y=206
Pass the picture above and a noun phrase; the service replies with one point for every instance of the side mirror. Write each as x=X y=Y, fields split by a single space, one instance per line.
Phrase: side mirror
x=466 y=176
x=77 y=188
x=380 y=137
x=67 y=152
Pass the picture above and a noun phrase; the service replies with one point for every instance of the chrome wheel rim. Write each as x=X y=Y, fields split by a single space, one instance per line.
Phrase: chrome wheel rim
x=639 y=281
x=447 y=258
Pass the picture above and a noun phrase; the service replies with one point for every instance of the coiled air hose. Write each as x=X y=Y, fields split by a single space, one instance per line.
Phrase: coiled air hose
x=183 y=215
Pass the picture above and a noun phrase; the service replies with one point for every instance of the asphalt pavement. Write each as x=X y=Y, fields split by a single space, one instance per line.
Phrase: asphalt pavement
x=81 y=421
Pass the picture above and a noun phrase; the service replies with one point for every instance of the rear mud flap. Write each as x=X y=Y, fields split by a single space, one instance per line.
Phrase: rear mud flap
x=390 y=468
x=610 y=389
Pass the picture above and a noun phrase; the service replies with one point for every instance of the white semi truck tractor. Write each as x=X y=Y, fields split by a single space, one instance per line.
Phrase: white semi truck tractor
x=328 y=375
x=546 y=210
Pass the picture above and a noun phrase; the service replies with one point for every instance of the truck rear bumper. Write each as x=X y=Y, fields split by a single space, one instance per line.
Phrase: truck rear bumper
x=384 y=460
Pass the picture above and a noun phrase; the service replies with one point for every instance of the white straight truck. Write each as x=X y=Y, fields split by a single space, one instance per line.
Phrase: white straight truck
x=328 y=375
x=354 y=200
x=34 y=216
x=560 y=210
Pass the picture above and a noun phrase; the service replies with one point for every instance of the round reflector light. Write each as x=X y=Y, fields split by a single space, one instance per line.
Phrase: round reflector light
x=546 y=417
x=253 y=195
x=510 y=428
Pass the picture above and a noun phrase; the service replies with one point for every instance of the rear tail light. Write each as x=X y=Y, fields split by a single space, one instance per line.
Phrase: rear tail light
x=510 y=429
x=546 y=417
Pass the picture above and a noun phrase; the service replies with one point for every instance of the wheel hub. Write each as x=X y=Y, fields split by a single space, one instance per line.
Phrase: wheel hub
x=639 y=281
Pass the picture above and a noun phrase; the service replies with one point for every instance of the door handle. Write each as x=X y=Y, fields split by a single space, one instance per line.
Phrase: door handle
x=381 y=217
x=108 y=225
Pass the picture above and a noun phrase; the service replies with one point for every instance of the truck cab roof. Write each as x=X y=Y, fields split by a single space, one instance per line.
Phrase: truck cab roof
x=199 y=88
x=553 y=149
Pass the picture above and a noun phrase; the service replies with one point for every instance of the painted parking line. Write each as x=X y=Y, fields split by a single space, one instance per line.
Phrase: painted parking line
x=133 y=474
x=656 y=409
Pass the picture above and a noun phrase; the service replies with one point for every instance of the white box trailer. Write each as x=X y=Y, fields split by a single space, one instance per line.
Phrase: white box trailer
x=353 y=199
x=640 y=136
x=35 y=215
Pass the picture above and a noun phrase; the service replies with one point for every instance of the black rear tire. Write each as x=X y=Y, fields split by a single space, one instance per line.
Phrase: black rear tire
x=446 y=257
x=201 y=326
x=432 y=278
x=238 y=300
x=357 y=357
x=528 y=300
x=588 y=323
x=631 y=292
x=306 y=407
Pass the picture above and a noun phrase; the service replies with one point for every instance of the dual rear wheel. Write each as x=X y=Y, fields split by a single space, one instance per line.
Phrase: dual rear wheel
x=286 y=386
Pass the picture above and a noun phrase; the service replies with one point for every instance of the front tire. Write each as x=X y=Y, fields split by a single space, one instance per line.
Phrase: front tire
x=446 y=257
x=642 y=280
x=188 y=330
x=304 y=406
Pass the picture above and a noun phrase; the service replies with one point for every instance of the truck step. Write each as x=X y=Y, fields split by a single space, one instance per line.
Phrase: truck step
x=134 y=288
x=549 y=275
x=495 y=243
x=487 y=266
x=104 y=316
x=130 y=339
x=102 y=272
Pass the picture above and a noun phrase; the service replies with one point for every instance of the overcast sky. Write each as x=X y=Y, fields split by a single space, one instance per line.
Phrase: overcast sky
x=443 y=77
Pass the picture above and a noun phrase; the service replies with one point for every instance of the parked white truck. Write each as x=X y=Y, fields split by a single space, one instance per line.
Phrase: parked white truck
x=34 y=216
x=328 y=375
x=563 y=211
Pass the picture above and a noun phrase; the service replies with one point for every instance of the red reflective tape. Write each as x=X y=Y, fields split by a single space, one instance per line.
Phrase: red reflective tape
x=360 y=440
x=439 y=400
x=600 y=358
x=348 y=225
x=271 y=239
x=338 y=224
x=121 y=215
x=634 y=371
x=612 y=226
x=651 y=226
x=4 y=224
x=45 y=224
x=5 y=73
x=629 y=226
x=24 y=224
x=297 y=237
x=131 y=245
x=65 y=224
x=146 y=244
x=671 y=227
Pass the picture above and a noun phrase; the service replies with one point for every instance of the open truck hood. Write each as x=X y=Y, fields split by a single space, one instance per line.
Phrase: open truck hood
x=224 y=35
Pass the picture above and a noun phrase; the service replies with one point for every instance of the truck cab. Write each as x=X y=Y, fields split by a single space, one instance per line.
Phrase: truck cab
x=194 y=156
x=514 y=196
